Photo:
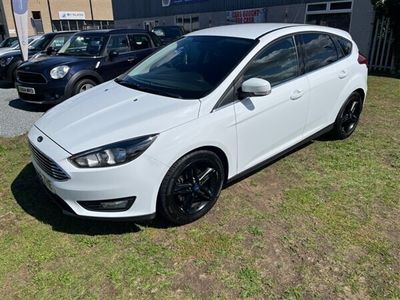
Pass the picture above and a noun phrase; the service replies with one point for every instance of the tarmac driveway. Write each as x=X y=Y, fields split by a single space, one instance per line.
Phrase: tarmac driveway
x=16 y=117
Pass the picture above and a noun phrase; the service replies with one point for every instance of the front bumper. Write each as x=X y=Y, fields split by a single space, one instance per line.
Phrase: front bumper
x=52 y=92
x=140 y=178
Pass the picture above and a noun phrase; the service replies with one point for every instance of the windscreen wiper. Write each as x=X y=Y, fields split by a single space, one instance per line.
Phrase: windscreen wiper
x=150 y=90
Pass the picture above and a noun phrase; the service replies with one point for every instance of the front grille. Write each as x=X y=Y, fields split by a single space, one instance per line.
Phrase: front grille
x=28 y=77
x=48 y=165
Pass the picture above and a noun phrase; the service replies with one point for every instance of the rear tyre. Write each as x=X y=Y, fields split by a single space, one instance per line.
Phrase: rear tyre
x=191 y=187
x=83 y=85
x=348 y=117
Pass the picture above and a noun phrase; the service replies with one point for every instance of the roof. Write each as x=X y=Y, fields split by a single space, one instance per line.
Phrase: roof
x=168 y=26
x=250 y=31
x=57 y=33
x=115 y=31
x=255 y=31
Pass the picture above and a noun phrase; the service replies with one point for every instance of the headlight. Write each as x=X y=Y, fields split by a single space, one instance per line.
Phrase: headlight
x=113 y=154
x=59 y=72
x=5 y=61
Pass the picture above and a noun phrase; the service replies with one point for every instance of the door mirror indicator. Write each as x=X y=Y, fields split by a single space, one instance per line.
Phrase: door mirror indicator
x=113 y=54
x=255 y=87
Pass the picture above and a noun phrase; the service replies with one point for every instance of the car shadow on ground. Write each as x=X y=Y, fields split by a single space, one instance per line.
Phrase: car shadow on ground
x=34 y=200
x=21 y=105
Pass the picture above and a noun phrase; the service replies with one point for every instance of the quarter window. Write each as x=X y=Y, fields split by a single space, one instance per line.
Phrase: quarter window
x=345 y=45
x=319 y=50
x=277 y=63
x=118 y=43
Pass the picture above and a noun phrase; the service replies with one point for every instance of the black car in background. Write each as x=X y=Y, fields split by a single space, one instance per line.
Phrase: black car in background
x=47 y=44
x=168 y=34
x=86 y=60
x=8 y=42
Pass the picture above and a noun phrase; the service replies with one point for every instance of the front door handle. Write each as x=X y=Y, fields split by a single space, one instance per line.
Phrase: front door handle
x=343 y=74
x=131 y=59
x=297 y=94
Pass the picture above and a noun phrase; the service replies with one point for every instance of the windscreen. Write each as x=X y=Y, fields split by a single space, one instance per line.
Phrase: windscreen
x=83 y=45
x=189 y=68
x=40 y=43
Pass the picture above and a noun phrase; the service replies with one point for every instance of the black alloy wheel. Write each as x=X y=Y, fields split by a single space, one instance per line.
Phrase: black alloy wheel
x=348 y=117
x=191 y=187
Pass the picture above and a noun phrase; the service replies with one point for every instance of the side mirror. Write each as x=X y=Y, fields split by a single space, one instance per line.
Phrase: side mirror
x=255 y=87
x=113 y=54
x=50 y=50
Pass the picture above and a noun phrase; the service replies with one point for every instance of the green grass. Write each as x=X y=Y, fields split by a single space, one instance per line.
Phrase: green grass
x=323 y=222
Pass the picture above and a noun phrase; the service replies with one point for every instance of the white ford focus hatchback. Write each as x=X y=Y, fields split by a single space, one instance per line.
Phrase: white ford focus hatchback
x=166 y=136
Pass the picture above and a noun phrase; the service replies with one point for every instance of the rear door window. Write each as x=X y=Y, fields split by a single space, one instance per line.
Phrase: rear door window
x=319 y=51
x=277 y=63
x=139 y=42
x=118 y=43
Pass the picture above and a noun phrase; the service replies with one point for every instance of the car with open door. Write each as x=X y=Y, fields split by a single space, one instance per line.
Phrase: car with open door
x=168 y=135
x=89 y=58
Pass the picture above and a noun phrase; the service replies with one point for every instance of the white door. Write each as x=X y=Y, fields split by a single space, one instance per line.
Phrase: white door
x=269 y=124
x=327 y=78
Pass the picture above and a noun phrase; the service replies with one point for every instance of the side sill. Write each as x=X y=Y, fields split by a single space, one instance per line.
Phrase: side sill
x=276 y=157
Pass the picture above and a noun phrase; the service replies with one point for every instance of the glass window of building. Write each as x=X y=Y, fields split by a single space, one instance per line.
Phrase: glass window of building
x=334 y=14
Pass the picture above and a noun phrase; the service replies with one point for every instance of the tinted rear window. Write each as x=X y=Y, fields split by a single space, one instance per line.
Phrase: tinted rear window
x=319 y=50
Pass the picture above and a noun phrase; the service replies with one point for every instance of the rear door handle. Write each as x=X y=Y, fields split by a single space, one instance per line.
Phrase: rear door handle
x=297 y=94
x=131 y=59
x=343 y=74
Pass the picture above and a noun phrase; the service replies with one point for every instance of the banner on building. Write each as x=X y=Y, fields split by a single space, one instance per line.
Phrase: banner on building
x=257 y=15
x=166 y=3
x=72 y=15
x=20 y=11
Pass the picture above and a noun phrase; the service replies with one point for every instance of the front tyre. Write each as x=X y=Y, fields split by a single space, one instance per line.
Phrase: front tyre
x=348 y=117
x=191 y=187
x=83 y=85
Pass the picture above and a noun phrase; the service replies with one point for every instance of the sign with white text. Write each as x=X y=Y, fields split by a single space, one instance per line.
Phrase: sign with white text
x=72 y=15
x=166 y=3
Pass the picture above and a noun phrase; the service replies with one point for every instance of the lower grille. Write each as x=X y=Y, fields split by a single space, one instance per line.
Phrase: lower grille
x=48 y=165
x=28 y=77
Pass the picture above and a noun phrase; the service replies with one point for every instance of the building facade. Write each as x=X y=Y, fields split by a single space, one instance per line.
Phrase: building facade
x=355 y=16
x=57 y=15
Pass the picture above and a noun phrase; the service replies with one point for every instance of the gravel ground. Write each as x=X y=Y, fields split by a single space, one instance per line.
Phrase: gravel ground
x=16 y=117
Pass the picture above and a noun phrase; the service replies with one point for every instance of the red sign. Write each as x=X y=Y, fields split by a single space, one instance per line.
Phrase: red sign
x=247 y=16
